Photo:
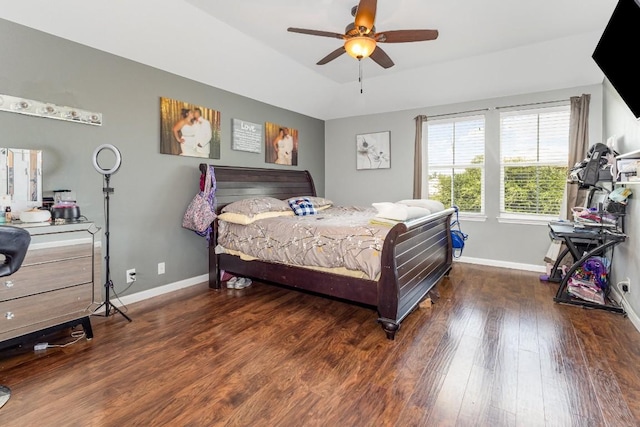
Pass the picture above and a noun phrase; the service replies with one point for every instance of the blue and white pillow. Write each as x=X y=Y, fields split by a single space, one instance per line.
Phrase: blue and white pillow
x=302 y=206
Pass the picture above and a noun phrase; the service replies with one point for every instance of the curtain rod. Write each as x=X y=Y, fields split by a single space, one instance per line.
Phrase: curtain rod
x=498 y=108
x=533 y=103
x=459 y=112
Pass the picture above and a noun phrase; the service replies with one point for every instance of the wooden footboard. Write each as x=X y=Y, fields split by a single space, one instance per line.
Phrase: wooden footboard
x=415 y=255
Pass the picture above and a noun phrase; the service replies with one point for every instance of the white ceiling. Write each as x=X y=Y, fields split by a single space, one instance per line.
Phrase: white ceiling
x=466 y=27
x=485 y=48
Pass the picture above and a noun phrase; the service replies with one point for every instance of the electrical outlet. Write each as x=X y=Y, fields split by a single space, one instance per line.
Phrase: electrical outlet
x=625 y=285
x=161 y=268
x=131 y=275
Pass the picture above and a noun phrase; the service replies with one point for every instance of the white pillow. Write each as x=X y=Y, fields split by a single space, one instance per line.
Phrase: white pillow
x=238 y=218
x=432 y=205
x=399 y=212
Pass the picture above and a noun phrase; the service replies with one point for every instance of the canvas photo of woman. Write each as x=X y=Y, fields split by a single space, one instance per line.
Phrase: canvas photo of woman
x=189 y=130
x=281 y=145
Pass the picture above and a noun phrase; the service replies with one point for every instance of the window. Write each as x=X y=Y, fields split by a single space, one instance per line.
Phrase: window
x=534 y=148
x=455 y=162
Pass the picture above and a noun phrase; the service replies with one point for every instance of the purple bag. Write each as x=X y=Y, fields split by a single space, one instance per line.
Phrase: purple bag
x=200 y=213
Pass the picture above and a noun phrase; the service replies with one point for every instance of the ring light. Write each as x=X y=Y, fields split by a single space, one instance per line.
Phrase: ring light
x=115 y=152
x=107 y=190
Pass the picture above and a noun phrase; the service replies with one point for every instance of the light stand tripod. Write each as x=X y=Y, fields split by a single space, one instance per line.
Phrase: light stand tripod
x=107 y=190
x=108 y=284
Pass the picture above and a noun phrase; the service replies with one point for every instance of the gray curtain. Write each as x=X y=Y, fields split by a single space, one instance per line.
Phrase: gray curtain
x=578 y=146
x=417 y=158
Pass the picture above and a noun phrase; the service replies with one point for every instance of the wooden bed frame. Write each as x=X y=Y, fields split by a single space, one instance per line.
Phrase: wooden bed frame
x=416 y=254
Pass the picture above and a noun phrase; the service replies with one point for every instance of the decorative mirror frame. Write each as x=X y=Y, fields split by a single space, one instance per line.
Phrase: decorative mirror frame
x=21 y=170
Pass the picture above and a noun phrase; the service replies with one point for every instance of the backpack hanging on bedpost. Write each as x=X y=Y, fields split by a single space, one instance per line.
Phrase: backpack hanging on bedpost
x=457 y=236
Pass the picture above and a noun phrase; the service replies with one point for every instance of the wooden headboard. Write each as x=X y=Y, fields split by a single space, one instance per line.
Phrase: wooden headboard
x=235 y=183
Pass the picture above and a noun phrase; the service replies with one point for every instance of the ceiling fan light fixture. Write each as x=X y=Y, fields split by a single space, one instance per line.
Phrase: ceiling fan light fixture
x=360 y=47
x=360 y=38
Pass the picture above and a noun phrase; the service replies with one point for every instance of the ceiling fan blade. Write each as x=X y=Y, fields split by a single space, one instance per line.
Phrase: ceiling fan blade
x=381 y=58
x=403 y=36
x=366 y=15
x=333 y=55
x=316 y=33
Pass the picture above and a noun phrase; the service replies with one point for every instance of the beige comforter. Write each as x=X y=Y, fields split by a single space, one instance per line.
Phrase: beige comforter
x=333 y=238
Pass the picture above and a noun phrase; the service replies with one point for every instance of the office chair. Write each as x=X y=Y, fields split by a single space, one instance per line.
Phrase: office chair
x=14 y=243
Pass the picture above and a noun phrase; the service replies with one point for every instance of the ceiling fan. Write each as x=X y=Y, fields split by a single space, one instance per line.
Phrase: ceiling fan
x=361 y=39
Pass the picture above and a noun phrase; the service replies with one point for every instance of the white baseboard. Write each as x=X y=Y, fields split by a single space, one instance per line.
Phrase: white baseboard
x=631 y=314
x=154 y=292
x=161 y=290
x=503 y=264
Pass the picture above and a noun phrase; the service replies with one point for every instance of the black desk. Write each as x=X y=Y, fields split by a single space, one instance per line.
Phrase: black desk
x=582 y=243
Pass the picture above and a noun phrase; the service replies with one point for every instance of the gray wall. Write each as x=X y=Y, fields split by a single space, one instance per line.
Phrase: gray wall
x=490 y=242
x=620 y=123
x=152 y=190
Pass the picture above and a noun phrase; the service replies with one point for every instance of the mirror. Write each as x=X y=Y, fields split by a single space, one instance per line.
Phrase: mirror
x=21 y=177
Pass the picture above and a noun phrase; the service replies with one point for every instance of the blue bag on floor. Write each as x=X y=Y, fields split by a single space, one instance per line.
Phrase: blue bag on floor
x=457 y=237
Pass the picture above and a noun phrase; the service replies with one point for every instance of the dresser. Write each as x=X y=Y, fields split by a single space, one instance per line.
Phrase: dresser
x=58 y=284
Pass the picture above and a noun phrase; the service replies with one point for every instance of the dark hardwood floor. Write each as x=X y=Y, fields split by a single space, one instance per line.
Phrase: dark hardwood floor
x=494 y=350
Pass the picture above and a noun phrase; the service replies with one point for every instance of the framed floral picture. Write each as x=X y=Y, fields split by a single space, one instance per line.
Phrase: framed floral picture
x=373 y=150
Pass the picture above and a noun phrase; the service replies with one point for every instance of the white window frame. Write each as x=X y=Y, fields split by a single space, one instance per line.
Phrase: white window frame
x=529 y=218
x=425 y=144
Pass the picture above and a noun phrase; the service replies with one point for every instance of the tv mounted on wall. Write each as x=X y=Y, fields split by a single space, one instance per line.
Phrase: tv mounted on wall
x=618 y=43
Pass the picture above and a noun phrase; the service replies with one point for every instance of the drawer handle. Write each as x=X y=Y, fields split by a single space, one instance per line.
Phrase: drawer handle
x=9 y=315
x=8 y=284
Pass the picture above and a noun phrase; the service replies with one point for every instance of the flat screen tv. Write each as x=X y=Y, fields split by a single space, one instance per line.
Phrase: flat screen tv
x=616 y=50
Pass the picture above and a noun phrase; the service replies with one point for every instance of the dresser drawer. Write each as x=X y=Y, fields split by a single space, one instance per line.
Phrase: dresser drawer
x=37 y=311
x=38 y=278
x=54 y=254
x=53 y=236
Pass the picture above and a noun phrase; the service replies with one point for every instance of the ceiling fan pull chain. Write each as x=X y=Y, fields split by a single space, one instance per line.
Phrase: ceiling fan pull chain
x=360 y=73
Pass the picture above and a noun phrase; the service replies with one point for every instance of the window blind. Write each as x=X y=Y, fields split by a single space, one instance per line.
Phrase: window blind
x=534 y=148
x=455 y=162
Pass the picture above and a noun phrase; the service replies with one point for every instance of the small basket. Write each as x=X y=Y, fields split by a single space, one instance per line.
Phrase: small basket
x=614 y=207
